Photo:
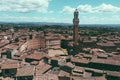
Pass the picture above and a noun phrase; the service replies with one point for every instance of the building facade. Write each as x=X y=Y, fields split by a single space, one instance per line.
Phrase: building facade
x=53 y=42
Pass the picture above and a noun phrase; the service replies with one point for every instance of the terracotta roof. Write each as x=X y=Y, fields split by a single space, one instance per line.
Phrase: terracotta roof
x=87 y=41
x=25 y=71
x=68 y=64
x=52 y=38
x=87 y=55
x=36 y=56
x=17 y=58
x=78 y=69
x=7 y=78
x=94 y=70
x=111 y=39
x=106 y=61
x=3 y=34
x=2 y=44
x=113 y=73
x=55 y=58
x=52 y=52
x=46 y=77
x=56 y=47
x=102 y=55
x=78 y=60
x=11 y=65
x=34 y=62
x=17 y=54
x=115 y=57
x=117 y=42
x=63 y=73
x=90 y=78
x=42 y=68
x=12 y=46
x=107 y=44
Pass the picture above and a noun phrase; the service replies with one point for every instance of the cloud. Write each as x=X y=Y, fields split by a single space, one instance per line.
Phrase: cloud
x=24 y=5
x=85 y=8
x=90 y=9
x=50 y=11
x=106 y=8
x=67 y=10
x=11 y=18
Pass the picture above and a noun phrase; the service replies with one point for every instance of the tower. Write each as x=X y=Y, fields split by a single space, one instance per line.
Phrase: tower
x=75 y=27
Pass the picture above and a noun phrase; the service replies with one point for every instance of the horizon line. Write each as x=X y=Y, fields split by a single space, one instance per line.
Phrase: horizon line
x=59 y=23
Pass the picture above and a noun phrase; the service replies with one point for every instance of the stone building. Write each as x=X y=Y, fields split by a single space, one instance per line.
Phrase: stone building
x=75 y=27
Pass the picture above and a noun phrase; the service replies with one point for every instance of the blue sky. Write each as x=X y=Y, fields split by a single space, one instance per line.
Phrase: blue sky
x=90 y=11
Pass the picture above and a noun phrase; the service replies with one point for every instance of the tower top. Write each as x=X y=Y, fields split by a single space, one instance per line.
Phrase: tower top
x=76 y=11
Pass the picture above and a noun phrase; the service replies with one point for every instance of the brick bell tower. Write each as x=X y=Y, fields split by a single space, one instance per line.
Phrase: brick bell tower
x=75 y=27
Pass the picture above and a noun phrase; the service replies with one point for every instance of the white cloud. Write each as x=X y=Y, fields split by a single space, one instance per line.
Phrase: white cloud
x=10 y=18
x=24 y=5
x=50 y=11
x=106 y=8
x=67 y=10
x=90 y=9
x=85 y=8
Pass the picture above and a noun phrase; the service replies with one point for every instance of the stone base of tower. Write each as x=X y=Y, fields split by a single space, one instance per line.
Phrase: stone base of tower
x=76 y=48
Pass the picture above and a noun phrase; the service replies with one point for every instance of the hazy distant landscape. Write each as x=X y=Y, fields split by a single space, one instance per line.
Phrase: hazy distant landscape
x=38 y=24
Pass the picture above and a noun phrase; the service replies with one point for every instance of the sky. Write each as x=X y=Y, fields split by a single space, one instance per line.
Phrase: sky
x=60 y=11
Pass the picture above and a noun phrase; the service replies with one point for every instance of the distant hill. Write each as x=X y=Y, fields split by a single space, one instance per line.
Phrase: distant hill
x=33 y=23
x=50 y=23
